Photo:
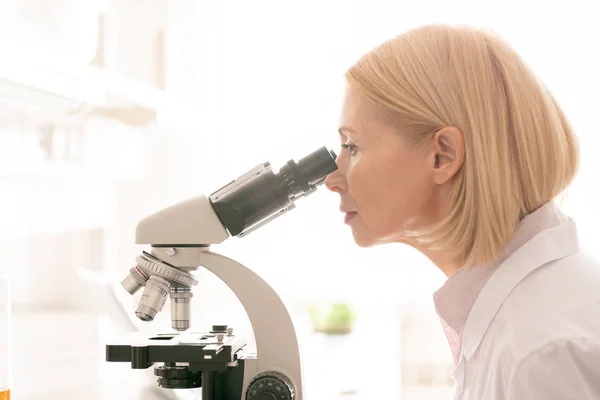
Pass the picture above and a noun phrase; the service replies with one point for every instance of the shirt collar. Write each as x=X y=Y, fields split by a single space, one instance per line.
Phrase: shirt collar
x=455 y=299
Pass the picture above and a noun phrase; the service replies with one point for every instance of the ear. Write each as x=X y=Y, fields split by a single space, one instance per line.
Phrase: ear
x=449 y=153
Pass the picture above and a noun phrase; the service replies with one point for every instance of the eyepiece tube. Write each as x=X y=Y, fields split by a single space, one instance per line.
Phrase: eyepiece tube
x=261 y=195
x=317 y=165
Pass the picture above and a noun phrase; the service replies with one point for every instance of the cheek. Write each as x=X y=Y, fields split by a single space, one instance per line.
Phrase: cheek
x=391 y=194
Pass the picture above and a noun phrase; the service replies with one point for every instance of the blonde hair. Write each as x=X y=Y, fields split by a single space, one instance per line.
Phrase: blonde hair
x=520 y=152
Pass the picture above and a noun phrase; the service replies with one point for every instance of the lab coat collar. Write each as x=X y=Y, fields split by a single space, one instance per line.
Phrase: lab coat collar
x=548 y=245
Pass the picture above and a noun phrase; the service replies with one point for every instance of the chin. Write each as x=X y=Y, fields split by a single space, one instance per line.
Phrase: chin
x=369 y=240
x=364 y=241
x=366 y=235
x=364 y=244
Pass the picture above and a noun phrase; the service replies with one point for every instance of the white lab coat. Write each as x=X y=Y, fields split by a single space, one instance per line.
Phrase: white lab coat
x=534 y=331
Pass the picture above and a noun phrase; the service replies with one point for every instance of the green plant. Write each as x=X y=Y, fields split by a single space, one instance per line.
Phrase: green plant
x=336 y=318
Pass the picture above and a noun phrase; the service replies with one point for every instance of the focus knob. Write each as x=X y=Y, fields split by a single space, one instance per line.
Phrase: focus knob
x=270 y=386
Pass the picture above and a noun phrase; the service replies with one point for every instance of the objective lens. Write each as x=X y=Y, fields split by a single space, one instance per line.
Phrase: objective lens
x=134 y=281
x=153 y=299
x=180 y=308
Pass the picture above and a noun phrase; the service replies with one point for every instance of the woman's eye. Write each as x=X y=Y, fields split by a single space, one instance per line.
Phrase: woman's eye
x=350 y=147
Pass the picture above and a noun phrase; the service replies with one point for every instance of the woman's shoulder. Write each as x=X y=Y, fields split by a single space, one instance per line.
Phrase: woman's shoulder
x=558 y=300
x=574 y=278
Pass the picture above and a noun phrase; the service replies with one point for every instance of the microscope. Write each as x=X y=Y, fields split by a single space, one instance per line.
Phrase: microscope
x=180 y=236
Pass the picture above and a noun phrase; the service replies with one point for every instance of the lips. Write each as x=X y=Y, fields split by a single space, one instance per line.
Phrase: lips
x=348 y=216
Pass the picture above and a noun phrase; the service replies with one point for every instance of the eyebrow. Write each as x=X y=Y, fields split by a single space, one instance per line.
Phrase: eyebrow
x=343 y=129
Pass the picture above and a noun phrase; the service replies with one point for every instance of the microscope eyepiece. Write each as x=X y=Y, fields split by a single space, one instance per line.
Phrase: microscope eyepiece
x=317 y=165
x=261 y=195
x=308 y=172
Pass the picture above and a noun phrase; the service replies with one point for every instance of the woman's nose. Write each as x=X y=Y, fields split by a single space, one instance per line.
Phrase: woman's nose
x=335 y=181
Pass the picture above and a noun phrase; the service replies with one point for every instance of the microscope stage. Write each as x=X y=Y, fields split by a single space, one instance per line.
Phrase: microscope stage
x=199 y=351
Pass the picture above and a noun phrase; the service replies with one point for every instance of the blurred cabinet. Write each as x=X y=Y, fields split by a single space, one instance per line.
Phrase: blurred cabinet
x=74 y=186
x=52 y=30
x=95 y=150
x=150 y=42
x=128 y=40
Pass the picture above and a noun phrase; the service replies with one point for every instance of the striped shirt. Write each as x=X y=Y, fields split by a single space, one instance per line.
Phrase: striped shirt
x=455 y=299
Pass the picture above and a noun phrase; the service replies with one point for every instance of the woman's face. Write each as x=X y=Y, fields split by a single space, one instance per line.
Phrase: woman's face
x=385 y=187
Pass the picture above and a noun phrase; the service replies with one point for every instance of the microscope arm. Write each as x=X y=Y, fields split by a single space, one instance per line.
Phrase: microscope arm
x=276 y=341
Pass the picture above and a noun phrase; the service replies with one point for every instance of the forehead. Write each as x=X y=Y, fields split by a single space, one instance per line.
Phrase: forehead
x=354 y=103
x=358 y=114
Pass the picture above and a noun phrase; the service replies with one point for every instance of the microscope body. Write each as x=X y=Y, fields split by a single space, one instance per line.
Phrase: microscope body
x=180 y=237
x=218 y=360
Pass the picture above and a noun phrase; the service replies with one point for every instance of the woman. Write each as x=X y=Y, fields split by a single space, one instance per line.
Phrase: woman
x=450 y=144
